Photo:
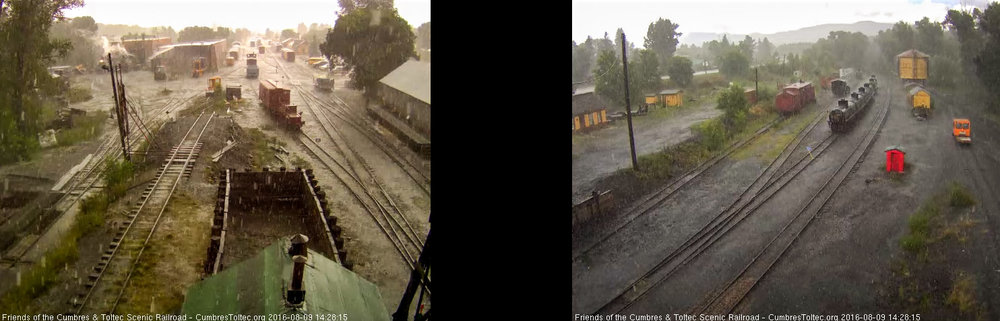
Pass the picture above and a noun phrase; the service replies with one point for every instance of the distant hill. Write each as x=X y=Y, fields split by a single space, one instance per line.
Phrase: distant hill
x=807 y=34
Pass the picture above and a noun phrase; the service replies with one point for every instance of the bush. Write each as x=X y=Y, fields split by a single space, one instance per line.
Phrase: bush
x=712 y=133
x=79 y=94
x=655 y=165
x=117 y=176
x=913 y=243
x=959 y=196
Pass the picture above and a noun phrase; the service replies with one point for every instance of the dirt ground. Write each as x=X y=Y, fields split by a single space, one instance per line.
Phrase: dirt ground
x=603 y=151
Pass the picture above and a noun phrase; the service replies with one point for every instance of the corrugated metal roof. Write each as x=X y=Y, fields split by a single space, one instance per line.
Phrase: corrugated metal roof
x=915 y=90
x=670 y=91
x=257 y=286
x=412 y=78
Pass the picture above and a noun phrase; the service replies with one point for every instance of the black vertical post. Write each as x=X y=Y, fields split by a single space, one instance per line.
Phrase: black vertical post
x=628 y=109
x=417 y=276
x=122 y=106
x=756 y=86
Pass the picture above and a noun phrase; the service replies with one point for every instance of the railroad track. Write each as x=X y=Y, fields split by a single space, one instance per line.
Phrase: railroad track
x=750 y=199
x=342 y=111
x=352 y=171
x=112 y=274
x=726 y=299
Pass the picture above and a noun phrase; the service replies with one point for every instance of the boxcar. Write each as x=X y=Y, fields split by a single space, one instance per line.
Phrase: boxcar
x=277 y=101
x=794 y=96
x=288 y=54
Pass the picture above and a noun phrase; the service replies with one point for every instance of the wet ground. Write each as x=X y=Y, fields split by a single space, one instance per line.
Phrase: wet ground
x=373 y=254
x=840 y=260
x=598 y=153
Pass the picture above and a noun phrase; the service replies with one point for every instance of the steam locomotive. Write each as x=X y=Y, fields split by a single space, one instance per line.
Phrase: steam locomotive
x=848 y=109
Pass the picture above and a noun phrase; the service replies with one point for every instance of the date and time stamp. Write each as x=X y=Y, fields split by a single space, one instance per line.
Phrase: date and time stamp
x=748 y=317
x=175 y=317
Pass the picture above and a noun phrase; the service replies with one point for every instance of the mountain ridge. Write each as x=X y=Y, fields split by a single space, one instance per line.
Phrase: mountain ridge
x=806 y=34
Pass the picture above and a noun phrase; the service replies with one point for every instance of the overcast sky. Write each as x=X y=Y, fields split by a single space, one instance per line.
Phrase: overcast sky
x=256 y=15
x=595 y=17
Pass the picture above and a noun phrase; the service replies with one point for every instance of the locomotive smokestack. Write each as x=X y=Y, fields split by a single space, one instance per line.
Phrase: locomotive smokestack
x=854 y=95
x=296 y=294
x=299 y=246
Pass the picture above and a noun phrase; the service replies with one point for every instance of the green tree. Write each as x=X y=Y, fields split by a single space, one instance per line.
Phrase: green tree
x=765 y=52
x=288 y=33
x=372 y=42
x=424 y=36
x=196 y=33
x=987 y=63
x=647 y=69
x=733 y=103
x=618 y=44
x=747 y=47
x=24 y=79
x=970 y=39
x=84 y=23
x=929 y=37
x=680 y=70
x=662 y=37
x=734 y=64
x=583 y=59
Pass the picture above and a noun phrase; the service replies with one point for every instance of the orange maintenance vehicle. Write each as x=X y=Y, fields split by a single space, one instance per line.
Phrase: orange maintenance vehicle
x=960 y=129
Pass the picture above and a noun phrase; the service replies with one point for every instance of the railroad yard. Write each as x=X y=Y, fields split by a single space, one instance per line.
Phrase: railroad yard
x=815 y=212
x=211 y=183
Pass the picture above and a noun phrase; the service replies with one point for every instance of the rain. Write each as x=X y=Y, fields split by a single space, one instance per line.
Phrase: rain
x=159 y=160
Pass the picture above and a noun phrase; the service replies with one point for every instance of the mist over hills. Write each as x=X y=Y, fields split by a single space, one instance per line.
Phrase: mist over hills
x=807 y=34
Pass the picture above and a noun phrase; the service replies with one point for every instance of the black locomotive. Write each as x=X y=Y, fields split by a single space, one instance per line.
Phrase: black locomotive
x=848 y=109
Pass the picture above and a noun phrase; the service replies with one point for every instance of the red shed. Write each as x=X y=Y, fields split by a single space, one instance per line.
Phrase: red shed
x=894 y=159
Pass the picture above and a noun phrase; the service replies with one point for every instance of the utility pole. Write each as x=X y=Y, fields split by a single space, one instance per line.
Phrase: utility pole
x=628 y=109
x=756 y=87
x=118 y=96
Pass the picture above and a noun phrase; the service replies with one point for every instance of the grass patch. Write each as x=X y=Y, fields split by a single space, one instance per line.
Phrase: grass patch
x=300 y=163
x=79 y=94
x=927 y=278
x=84 y=128
x=959 y=196
x=261 y=152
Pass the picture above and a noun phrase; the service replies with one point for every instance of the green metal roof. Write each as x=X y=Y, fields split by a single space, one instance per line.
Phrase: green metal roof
x=258 y=285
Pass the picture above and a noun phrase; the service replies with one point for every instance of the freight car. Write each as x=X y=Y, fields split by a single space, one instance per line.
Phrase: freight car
x=847 y=110
x=288 y=54
x=920 y=100
x=794 y=97
x=277 y=101
x=840 y=88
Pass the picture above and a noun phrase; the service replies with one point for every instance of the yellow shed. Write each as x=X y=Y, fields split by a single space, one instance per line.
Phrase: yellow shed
x=913 y=65
x=588 y=111
x=651 y=99
x=919 y=97
x=673 y=97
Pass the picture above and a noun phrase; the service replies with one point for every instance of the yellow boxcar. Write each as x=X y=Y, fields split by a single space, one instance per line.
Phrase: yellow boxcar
x=919 y=98
x=913 y=64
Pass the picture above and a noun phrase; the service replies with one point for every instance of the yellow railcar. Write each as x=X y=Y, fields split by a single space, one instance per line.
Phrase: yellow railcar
x=920 y=99
x=913 y=65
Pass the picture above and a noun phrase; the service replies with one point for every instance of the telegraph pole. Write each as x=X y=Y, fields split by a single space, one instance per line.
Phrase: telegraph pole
x=628 y=109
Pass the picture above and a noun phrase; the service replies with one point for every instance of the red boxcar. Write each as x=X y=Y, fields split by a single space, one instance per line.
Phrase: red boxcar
x=277 y=101
x=794 y=96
